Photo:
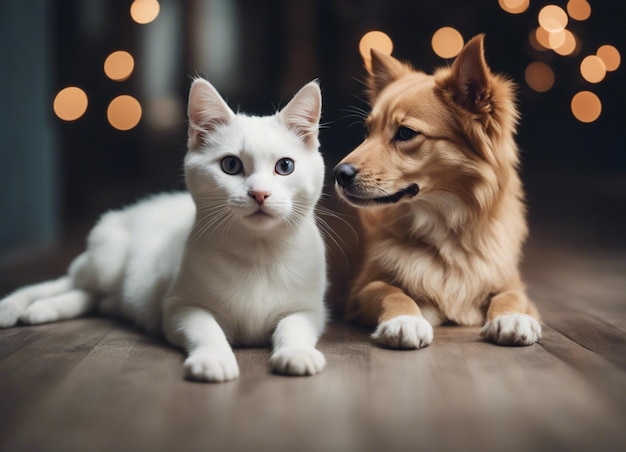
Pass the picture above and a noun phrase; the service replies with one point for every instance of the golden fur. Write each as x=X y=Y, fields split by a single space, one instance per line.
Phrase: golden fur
x=441 y=204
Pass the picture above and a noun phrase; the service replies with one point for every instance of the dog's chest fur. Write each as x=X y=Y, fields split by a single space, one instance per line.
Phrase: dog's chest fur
x=451 y=279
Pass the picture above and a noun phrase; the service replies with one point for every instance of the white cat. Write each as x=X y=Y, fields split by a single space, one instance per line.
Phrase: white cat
x=241 y=261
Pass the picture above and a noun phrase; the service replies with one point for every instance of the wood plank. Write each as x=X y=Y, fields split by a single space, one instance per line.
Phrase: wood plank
x=126 y=392
x=589 y=281
x=31 y=371
x=604 y=375
x=589 y=332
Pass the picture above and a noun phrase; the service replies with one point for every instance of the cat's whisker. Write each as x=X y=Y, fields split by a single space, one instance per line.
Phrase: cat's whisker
x=332 y=237
x=209 y=223
x=324 y=211
x=355 y=112
x=225 y=225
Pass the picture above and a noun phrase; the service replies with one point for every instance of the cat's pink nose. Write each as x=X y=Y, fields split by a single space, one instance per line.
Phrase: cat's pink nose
x=259 y=195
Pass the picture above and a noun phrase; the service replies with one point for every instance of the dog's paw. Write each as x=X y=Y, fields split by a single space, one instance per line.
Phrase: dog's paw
x=213 y=366
x=405 y=331
x=298 y=361
x=512 y=329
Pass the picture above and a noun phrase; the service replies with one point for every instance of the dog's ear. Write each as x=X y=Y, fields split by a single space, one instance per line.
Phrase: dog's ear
x=486 y=100
x=385 y=69
x=468 y=84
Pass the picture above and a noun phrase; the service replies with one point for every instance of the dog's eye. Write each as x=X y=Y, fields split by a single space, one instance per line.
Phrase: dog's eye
x=366 y=131
x=404 y=134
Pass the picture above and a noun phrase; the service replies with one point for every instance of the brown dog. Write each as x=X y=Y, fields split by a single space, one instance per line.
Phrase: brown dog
x=441 y=204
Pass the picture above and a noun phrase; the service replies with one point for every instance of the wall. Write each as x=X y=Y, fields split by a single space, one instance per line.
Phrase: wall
x=28 y=159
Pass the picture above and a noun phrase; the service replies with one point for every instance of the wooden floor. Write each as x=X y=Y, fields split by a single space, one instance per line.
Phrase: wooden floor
x=96 y=384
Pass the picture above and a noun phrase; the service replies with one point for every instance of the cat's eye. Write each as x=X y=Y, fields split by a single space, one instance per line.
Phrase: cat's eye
x=284 y=166
x=404 y=134
x=232 y=165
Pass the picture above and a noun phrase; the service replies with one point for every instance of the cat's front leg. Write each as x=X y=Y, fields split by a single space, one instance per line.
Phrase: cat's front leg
x=209 y=356
x=294 y=345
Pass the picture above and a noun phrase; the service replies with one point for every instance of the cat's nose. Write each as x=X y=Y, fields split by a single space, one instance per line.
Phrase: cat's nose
x=259 y=195
x=345 y=174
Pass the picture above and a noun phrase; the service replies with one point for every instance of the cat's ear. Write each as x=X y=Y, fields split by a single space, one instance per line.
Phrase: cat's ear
x=302 y=114
x=206 y=111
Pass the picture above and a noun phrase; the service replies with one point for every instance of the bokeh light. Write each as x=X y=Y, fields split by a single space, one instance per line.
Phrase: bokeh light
x=556 y=39
x=374 y=40
x=124 y=112
x=119 y=65
x=534 y=42
x=569 y=44
x=447 y=42
x=579 y=9
x=514 y=6
x=543 y=37
x=539 y=76
x=552 y=18
x=70 y=103
x=586 y=106
x=610 y=56
x=144 y=11
x=563 y=42
x=592 y=69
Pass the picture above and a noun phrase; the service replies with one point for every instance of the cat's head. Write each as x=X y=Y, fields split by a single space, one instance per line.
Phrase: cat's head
x=258 y=172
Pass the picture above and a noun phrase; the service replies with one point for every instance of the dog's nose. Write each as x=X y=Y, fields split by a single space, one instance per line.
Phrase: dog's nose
x=345 y=174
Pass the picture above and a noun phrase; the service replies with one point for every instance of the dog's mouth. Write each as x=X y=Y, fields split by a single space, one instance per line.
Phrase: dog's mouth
x=407 y=192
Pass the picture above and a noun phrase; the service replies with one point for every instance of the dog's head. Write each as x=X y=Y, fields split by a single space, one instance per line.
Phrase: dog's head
x=433 y=138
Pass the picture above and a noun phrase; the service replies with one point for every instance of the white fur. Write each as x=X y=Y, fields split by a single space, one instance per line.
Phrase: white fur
x=512 y=329
x=404 y=331
x=214 y=268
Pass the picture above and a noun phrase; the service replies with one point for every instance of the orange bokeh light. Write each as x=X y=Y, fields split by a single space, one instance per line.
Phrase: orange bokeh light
x=556 y=39
x=592 y=69
x=119 y=65
x=534 y=42
x=552 y=18
x=610 y=56
x=374 y=40
x=124 y=112
x=144 y=11
x=543 y=37
x=586 y=106
x=514 y=6
x=70 y=103
x=569 y=44
x=447 y=42
x=539 y=76
x=579 y=9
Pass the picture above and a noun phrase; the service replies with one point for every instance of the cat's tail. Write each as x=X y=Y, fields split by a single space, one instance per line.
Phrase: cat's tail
x=48 y=301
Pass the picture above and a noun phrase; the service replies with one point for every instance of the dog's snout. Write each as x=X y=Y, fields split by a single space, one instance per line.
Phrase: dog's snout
x=345 y=174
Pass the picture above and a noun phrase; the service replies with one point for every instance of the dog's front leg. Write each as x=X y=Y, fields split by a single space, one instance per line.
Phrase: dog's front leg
x=512 y=319
x=399 y=322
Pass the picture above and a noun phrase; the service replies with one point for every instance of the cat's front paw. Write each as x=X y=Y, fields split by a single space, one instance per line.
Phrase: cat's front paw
x=404 y=332
x=512 y=329
x=9 y=312
x=38 y=313
x=297 y=361
x=213 y=366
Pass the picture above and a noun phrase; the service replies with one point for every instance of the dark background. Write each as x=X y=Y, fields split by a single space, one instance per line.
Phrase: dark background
x=59 y=176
